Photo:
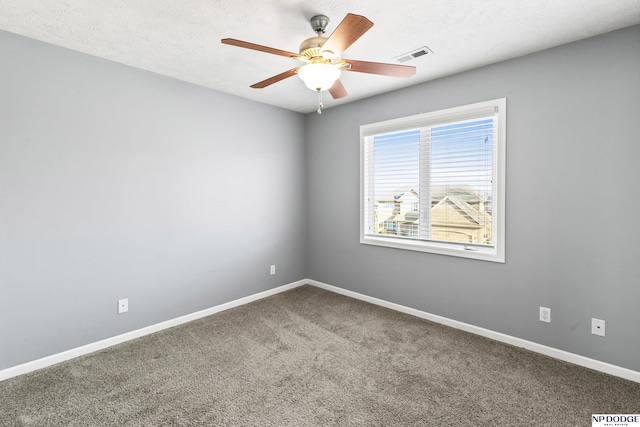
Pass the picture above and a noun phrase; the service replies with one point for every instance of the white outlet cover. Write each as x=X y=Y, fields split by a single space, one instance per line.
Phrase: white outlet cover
x=273 y=269
x=545 y=314
x=597 y=327
x=123 y=305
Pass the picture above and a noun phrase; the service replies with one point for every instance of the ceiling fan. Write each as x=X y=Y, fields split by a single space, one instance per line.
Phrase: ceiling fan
x=321 y=56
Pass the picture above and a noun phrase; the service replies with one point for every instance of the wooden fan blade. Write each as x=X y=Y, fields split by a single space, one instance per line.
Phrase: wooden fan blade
x=392 y=70
x=253 y=46
x=338 y=91
x=275 y=79
x=348 y=31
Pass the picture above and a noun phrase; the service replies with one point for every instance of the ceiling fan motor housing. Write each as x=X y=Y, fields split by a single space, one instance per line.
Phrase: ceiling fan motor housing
x=310 y=48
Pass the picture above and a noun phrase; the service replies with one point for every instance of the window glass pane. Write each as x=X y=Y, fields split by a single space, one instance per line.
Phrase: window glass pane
x=459 y=177
x=462 y=182
x=396 y=182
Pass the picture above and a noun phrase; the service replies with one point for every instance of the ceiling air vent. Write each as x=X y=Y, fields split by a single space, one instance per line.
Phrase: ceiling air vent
x=421 y=51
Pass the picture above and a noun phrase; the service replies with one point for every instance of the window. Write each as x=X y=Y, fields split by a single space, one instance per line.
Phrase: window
x=439 y=179
x=390 y=226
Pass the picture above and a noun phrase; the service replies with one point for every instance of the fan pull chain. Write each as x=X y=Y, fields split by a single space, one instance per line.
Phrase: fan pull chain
x=320 y=106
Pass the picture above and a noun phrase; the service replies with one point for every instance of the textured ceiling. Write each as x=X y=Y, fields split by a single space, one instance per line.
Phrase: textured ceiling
x=181 y=39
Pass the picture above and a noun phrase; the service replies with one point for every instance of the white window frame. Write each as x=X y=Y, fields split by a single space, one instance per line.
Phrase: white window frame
x=494 y=253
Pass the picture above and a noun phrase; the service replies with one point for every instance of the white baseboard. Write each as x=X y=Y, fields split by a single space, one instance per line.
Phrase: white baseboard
x=99 y=345
x=517 y=342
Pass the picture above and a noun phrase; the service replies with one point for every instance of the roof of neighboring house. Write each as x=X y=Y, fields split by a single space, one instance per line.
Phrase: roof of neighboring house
x=439 y=192
x=460 y=196
x=478 y=216
x=413 y=217
x=401 y=194
x=462 y=192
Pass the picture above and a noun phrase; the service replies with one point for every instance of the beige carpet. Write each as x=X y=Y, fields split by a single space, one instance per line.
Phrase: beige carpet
x=309 y=357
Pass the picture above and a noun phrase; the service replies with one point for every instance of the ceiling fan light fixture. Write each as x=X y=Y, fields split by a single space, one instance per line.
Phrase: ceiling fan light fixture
x=319 y=77
x=322 y=57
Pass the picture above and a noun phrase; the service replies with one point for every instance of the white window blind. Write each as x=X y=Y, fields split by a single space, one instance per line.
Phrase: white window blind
x=435 y=182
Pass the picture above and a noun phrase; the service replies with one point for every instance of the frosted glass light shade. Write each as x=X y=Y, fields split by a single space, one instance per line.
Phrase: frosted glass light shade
x=319 y=77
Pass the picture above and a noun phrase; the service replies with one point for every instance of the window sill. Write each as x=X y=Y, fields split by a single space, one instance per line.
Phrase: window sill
x=478 y=253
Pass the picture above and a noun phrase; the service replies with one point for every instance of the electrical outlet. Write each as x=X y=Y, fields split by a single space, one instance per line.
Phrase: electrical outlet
x=273 y=270
x=123 y=305
x=597 y=327
x=545 y=314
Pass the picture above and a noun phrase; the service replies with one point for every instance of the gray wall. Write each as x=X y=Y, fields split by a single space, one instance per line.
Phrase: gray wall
x=116 y=183
x=573 y=204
